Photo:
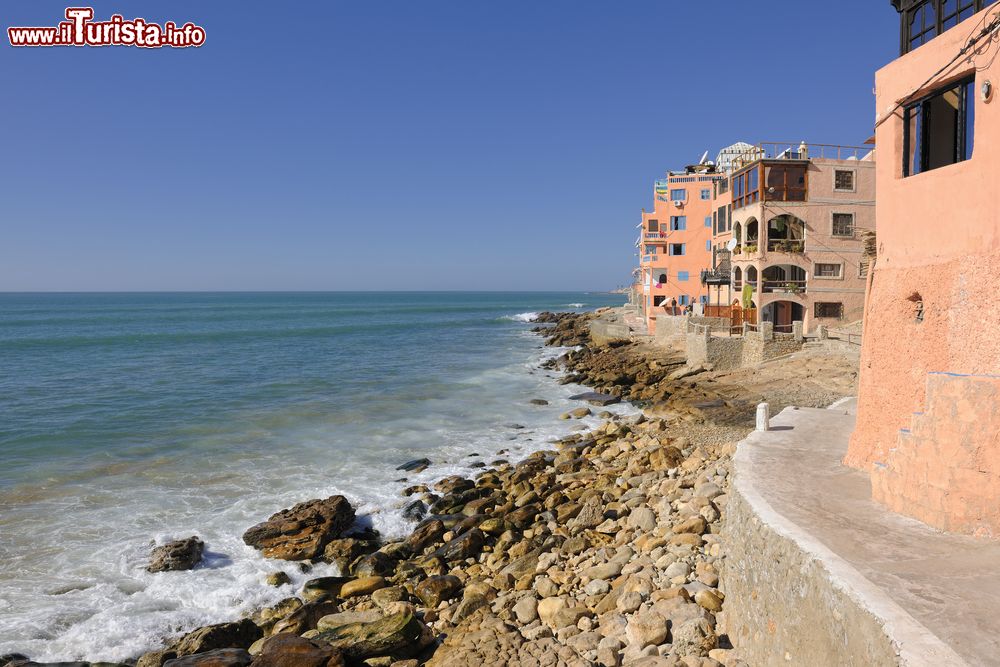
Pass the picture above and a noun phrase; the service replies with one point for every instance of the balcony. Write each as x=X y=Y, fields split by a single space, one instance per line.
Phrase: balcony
x=655 y=236
x=784 y=286
x=798 y=151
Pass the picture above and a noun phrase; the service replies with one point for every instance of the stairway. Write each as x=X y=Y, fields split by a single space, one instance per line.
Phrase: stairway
x=945 y=468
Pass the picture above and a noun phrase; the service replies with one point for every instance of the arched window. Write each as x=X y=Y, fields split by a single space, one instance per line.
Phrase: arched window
x=753 y=232
x=752 y=275
x=737 y=275
x=738 y=232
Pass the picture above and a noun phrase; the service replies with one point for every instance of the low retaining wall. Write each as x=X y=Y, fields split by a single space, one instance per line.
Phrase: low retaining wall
x=725 y=353
x=673 y=329
x=603 y=331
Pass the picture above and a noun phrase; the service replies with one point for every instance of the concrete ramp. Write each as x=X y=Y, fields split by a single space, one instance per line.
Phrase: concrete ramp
x=819 y=574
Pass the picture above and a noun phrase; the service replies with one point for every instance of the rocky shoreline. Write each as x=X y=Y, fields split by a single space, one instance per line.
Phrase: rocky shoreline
x=603 y=550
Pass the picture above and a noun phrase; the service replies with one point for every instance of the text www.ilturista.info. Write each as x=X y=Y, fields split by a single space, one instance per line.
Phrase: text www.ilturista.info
x=80 y=30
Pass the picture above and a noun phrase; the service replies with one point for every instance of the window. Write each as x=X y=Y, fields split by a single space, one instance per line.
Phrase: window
x=708 y=221
x=682 y=276
x=708 y=245
x=679 y=195
x=843 y=180
x=658 y=301
x=706 y=194
x=829 y=309
x=827 y=271
x=651 y=250
x=661 y=279
x=703 y=299
x=654 y=225
x=683 y=299
x=922 y=20
x=785 y=182
x=678 y=223
x=939 y=129
x=676 y=249
x=843 y=224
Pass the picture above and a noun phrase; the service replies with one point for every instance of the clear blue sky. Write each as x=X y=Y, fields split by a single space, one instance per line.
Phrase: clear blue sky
x=384 y=144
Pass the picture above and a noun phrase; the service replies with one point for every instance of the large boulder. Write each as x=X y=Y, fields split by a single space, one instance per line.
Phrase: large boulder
x=302 y=532
x=392 y=635
x=288 y=650
x=240 y=634
x=177 y=555
x=223 y=657
x=434 y=590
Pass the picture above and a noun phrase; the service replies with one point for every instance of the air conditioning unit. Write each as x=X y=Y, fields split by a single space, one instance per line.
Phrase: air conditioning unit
x=678 y=203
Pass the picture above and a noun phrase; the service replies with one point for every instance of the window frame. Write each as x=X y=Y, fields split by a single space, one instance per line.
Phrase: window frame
x=682 y=191
x=706 y=194
x=833 y=225
x=840 y=270
x=909 y=8
x=672 y=246
x=683 y=276
x=838 y=304
x=678 y=223
x=854 y=180
x=964 y=84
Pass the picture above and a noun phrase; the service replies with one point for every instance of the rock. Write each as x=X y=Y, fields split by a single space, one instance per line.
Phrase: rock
x=389 y=635
x=240 y=634
x=177 y=555
x=708 y=490
x=424 y=535
x=303 y=531
x=225 y=657
x=695 y=524
x=384 y=596
x=557 y=612
x=538 y=401
x=150 y=659
x=278 y=579
x=266 y=618
x=344 y=551
x=416 y=465
x=470 y=604
x=665 y=458
x=694 y=637
x=288 y=650
x=597 y=587
x=362 y=586
x=322 y=587
x=708 y=599
x=603 y=571
x=596 y=398
x=435 y=590
x=545 y=587
x=642 y=518
x=334 y=621
x=646 y=628
x=580 y=413
x=465 y=545
x=374 y=564
x=415 y=510
x=305 y=617
x=526 y=610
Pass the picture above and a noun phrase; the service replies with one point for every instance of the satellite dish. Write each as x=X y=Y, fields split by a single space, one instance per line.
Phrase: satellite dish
x=703 y=158
x=731 y=245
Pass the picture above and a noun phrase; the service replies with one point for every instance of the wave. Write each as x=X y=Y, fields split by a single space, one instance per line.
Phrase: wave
x=575 y=305
x=522 y=317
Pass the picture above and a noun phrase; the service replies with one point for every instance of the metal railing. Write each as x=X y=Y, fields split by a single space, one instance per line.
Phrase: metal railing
x=785 y=245
x=654 y=236
x=787 y=286
x=846 y=336
x=797 y=150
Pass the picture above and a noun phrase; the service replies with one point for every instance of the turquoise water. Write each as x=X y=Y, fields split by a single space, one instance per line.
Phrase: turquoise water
x=129 y=419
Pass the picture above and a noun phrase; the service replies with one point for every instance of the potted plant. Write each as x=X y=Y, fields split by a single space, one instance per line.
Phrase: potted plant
x=751 y=248
x=782 y=246
x=796 y=246
x=738 y=250
x=791 y=288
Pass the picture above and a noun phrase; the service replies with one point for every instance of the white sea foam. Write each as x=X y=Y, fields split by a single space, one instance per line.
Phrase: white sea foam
x=522 y=317
x=575 y=305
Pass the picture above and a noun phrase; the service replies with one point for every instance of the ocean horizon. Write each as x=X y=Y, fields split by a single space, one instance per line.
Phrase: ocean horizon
x=132 y=418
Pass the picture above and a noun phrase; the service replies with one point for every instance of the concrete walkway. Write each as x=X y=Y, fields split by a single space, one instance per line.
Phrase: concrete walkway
x=937 y=595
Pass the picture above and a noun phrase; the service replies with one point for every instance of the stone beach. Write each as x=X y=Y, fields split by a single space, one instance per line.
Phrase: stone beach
x=603 y=549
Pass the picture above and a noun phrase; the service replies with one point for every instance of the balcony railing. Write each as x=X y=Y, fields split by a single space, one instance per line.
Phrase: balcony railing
x=655 y=236
x=781 y=150
x=783 y=245
x=646 y=259
x=786 y=286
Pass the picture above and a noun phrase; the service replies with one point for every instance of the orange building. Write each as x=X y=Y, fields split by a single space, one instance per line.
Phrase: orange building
x=928 y=424
x=675 y=243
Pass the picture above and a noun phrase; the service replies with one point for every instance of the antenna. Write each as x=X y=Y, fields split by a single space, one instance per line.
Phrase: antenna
x=703 y=158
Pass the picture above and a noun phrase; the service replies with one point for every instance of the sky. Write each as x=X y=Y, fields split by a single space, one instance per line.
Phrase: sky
x=399 y=145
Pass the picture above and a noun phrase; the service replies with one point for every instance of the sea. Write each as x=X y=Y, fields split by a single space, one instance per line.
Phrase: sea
x=127 y=420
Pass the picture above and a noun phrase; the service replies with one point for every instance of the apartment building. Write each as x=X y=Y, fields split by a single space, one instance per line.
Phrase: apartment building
x=929 y=389
x=675 y=242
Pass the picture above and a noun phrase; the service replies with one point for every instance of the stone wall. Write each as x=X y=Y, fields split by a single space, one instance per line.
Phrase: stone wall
x=758 y=346
x=722 y=353
x=782 y=605
x=672 y=330
x=603 y=331
x=754 y=347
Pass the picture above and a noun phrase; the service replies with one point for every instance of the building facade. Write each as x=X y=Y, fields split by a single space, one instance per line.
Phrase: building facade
x=675 y=242
x=928 y=423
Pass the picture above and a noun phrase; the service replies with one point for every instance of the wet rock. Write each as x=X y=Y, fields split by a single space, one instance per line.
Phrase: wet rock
x=278 y=579
x=424 y=535
x=390 y=635
x=323 y=587
x=266 y=618
x=224 y=657
x=434 y=590
x=240 y=634
x=416 y=465
x=465 y=545
x=177 y=555
x=344 y=551
x=538 y=401
x=288 y=650
x=303 y=531
x=305 y=617
x=415 y=510
x=150 y=659
x=362 y=586
x=374 y=564
x=579 y=413
x=334 y=621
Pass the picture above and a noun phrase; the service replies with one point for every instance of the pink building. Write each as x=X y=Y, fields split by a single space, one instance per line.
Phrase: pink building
x=675 y=242
x=928 y=424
